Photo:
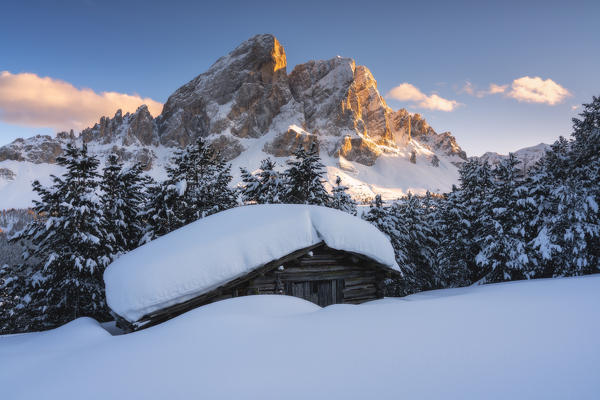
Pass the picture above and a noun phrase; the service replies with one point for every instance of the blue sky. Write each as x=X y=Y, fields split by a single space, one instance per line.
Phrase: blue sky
x=151 y=48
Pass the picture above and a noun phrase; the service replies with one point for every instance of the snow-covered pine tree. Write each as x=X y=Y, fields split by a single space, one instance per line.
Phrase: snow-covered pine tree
x=304 y=178
x=565 y=184
x=264 y=187
x=504 y=254
x=574 y=229
x=15 y=298
x=387 y=222
x=476 y=184
x=432 y=225
x=545 y=177
x=70 y=243
x=585 y=159
x=418 y=240
x=378 y=214
x=249 y=186
x=123 y=200
x=341 y=199
x=456 y=240
x=159 y=216
x=585 y=156
x=202 y=179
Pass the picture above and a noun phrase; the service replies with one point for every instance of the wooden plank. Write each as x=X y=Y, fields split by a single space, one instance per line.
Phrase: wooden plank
x=320 y=277
x=349 y=294
x=268 y=279
x=361 y=280
x=324 y=268
x=360 y=287
x=325 y=297
x=339 y=291
x=310 y=261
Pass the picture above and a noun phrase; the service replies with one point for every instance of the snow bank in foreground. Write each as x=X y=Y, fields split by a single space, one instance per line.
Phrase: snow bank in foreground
x=212 y=251
x=523 y=340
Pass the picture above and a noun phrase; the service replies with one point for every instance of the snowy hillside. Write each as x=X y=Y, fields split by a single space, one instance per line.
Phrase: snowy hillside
x=15 y=190
x=528 y=156
x=392 y=175
x=522 y=340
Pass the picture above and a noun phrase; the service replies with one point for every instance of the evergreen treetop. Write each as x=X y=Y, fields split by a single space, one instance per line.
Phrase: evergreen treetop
x=304 y=178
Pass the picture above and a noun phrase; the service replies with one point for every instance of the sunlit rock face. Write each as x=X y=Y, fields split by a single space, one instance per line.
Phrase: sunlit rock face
x=420 y=131
x=340 y=99
x=241 y=93
x=360 y=150
x=288 y=142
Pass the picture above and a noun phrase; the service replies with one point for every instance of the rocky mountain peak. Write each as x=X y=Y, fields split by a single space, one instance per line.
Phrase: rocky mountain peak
x=241 y=92
x=248 y=107
x=138 y=128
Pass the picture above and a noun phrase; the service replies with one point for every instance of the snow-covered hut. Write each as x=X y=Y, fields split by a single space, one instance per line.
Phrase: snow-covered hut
x=322 y=255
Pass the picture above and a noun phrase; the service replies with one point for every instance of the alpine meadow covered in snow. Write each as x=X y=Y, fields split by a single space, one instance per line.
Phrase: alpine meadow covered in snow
x=517 y=340
x=285 y=227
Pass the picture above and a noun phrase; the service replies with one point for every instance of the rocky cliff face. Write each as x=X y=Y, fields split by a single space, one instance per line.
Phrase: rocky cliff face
x=138 y=129
x=247 y=102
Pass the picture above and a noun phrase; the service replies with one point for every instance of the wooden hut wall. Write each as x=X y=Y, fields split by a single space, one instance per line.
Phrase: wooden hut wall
x=328 y=273
x=316 y=273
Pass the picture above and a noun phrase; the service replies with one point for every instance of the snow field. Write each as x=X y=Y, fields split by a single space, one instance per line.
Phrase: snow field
x=519 y=340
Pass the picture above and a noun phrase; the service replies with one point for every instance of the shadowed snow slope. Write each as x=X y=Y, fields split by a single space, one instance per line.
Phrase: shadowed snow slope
x=210 y=252
x=523 y=340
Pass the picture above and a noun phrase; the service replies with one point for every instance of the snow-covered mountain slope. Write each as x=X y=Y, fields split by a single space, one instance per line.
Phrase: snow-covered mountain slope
x=527 y=155
x=250 y=108
x=15 y=190
x=519 y=340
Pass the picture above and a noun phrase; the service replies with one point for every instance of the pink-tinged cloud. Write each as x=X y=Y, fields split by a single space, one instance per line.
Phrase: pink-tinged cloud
x=470 y=89
x=31 y=100
x=537 y=90
x=495 y=89
x=409 y=93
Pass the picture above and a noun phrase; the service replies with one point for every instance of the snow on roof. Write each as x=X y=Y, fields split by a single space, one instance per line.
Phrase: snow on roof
x=208 y=253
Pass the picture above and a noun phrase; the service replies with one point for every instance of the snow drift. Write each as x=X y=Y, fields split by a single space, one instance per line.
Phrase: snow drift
x=520 y=340
x=214 y=250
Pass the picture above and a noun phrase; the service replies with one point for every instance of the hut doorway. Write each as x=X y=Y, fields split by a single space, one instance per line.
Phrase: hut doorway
x=323 y=293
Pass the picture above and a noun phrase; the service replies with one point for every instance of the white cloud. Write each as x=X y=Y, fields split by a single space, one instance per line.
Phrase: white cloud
x=537 y=90
x=470 y=89
x=410 y=93
x=525 y=89
x=574 y=108
x=495 y=89
x=31 y=100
